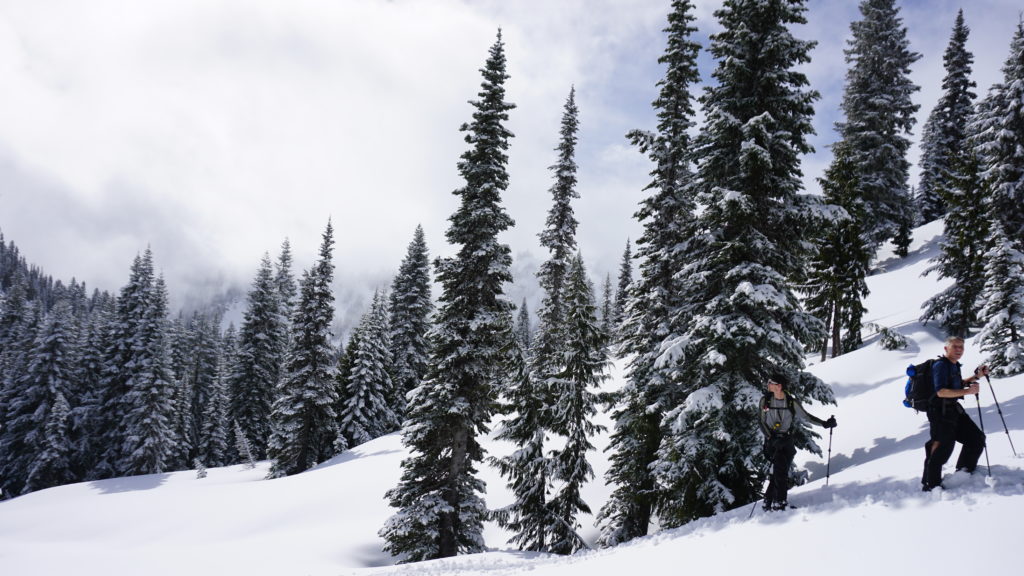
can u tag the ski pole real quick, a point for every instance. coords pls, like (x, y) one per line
(764, 470)
(1000, 410)
(982, 424)
(828, 464)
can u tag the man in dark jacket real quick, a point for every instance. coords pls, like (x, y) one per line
(778, 411)
(948, 421)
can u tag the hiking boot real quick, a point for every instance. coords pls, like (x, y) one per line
(766, 506)
(928, 487)
(779, 505)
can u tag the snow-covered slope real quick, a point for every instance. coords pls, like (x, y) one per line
(870, 518)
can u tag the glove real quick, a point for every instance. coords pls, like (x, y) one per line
(831, 422)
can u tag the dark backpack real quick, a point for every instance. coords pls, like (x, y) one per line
(920, 388)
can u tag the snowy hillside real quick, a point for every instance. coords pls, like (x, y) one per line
(870, 519)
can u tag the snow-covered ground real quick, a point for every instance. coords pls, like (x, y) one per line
(871, 518)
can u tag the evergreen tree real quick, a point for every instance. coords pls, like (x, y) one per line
(559, 237)
(440, 507)
(836, 285)
(304, 421)
(942, 139)
(86, 417)
(410, 307)
(527, 467)
(149, 439)
(1003, 335)
(1002, 150)
(654, 300)
(365, 411)
(757, 222)
(214, 449)
(625, 281)
(243, 448)
(608, 310)
(963, 250)
(199, 383)
(51, 462)
(122, 338)
(285, 282)
(575, 405)
(1000, 146)
(524, 336)
(42, 373)
(879, 116)
(260, 356)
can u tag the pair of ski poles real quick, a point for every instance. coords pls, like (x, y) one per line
(999, 409)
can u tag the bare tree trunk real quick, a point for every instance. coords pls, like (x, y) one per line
(837, 342)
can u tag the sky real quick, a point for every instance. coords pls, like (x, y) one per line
(860, 512)
(211, 130)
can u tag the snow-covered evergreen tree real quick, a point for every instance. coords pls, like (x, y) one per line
(944, 133)
(243, 447)
(654, 298)
(999, 131)
(260, 357)
(215, 449)
(964, 245)
(33, 460)
(527, 468)
(836, 286)
(199, 383)
(559, 238)
(123, 338)
(1002, 148)
(625, 281)
(304, 423)
(410, 309)
(879, 116)
(51, 458)
(365, 411)
(150, 438)
(608, 309)
(86, 417)
(574, 391)
(524, 335)
(756, 223)
(439, 497)
(1002, 337)
(285, 282)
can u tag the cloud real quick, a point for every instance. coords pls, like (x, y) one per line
(213, 129)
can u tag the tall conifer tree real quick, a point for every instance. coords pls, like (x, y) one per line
(756, 221)
(304, 423)
(879, 116)
(150, 437)
(364, 397)
(944, 133)
(439, 497)
(654, 304)
(410, 310)
(836, 286)
(571, 416)
(260, 358)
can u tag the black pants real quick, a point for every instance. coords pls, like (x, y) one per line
(949, 424)
(780, 451)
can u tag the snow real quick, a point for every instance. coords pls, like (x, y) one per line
(870, 517)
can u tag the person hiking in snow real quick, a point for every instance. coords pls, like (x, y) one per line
(948, 422)
(778, 411)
